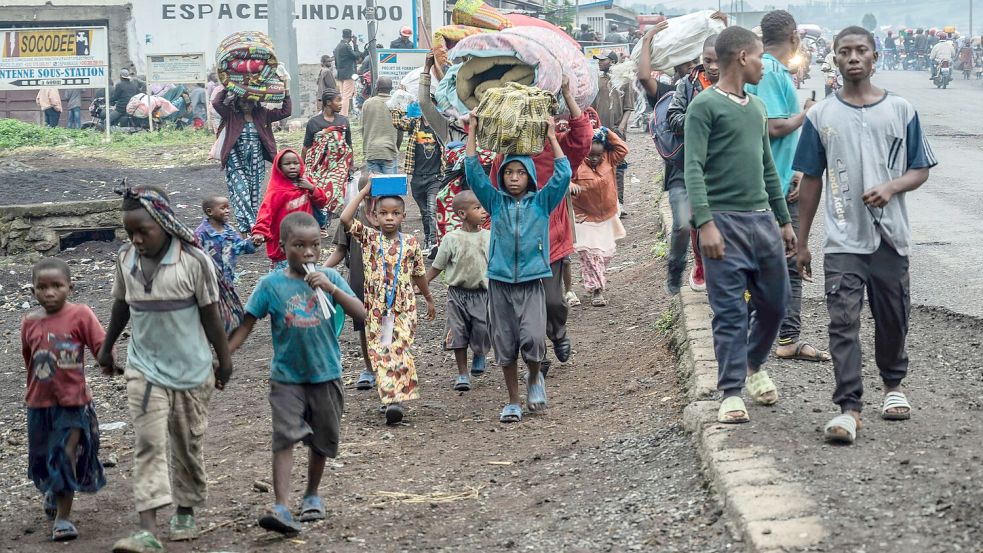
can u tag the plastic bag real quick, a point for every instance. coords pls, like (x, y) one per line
(400, 100)
(682, 41)
(216, 151)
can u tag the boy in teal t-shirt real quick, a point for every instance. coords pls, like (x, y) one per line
(306, 396)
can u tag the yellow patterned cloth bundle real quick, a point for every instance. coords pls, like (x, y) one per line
(513, 119)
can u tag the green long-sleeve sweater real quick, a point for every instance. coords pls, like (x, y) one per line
(728, 158)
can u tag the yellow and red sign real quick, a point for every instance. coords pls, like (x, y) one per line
(47, 43)
(67, 57)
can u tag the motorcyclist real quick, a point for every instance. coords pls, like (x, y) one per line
(125, 89)
(943, 51)
(921, 41)
(933, 38)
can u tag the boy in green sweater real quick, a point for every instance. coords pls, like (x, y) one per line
(736, 196)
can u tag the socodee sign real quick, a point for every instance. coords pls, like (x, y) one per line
(167, 26)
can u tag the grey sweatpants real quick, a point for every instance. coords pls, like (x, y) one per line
(517, 320)
(557, 309)
(884, 274)
(467, 320)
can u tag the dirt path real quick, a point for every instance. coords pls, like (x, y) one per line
(608, 468)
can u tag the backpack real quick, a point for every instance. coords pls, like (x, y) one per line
(668, 143)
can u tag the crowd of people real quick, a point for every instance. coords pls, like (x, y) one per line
(744, 193)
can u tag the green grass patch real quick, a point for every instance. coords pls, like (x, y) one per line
(667, 321)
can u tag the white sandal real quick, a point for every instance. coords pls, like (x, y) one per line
(895, 400)
(844, 422)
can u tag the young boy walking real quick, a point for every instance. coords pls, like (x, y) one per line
(221, 240)
(520, 235)
(870, 145)
(777, 90)
(166, 287)
(464, 254)
(736, 196)
(306, 394)
(62, 429)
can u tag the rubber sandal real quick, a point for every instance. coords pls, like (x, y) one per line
(182, 528)
(841, 429)
(511, 413)
(63, 530)
(366, 381)
(759, 385)
(278, 519)
(463, 383)
(561, 348)
(730, 405)
(312, 509)
(895, 400)
(536, 395)
(598, 301)
(478, 365)
(544, 367)
(394, 414)
(820, 356)
(138, 542)
(50, 504)
(572, 299)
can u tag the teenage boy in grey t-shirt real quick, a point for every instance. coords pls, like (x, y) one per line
(871, 147)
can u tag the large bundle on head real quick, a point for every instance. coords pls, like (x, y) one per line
(537, 56)
(513, 119)
(246, 65)
(682, 41)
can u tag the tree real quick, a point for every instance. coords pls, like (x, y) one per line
(559, 12)
(869, 22)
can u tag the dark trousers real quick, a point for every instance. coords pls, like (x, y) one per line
(556, 305)
(789, 333)
(52, 117)
(754, 260)
(619, 173)
(884, 274)
(425, 188)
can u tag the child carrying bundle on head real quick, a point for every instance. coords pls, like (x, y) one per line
(306, 395)
(520, 239)
(290, 190)
(62, 429)
(464, 254)
(595, 207)
(393, 263)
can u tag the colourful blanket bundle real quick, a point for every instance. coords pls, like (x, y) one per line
(476, 13)
(246, 65)
(513, 119)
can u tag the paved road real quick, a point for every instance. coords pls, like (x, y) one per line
(947, 212)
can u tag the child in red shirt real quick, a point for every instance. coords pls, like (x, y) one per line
(62, 430)
(290, 190)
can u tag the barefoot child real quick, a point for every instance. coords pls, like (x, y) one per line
(871, 146)
(520, 216)
(736, 196)
(306, 395)
(62, 430)
(290, 190)
(350, 251)
(219, 239)
(166, 286)
(595, 207)
(393, 264)
(464, 254)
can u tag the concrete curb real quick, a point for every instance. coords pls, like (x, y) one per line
(769, 510)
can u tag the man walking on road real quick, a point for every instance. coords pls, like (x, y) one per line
(378, 132)
(50, 103)
(777, 90)
(614, 108)
(870, 144)
(346, 56)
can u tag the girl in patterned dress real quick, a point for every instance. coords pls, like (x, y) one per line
(393, 264)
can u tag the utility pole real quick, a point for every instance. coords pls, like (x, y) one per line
(371, 46)
(284, 36)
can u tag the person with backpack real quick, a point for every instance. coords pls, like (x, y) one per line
(670, 116)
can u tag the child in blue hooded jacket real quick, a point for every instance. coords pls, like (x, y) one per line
(518, 257)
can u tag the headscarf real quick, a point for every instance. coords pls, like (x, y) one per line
(159, 208)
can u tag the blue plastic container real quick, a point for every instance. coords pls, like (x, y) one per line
(388, 185)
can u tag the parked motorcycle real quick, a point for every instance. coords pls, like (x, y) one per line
(944, 75)
(126, 123)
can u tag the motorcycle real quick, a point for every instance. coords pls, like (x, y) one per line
(890, 60)
(834, 81)
(125, 123)
(944, 75)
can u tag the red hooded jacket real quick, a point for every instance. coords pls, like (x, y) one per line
(575, 143)
(282, 198)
